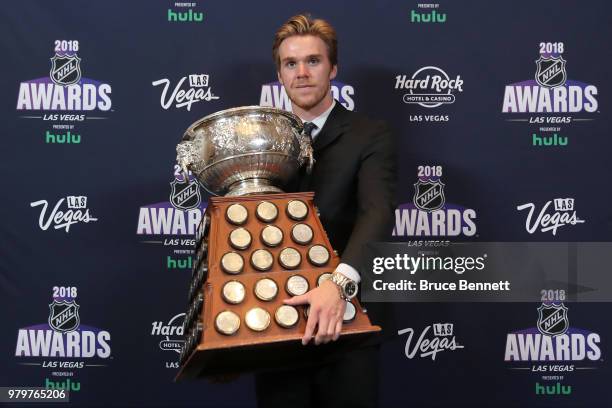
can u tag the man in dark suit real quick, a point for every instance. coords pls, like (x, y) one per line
(354, 179)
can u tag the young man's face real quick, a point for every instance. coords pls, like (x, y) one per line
(305, 71)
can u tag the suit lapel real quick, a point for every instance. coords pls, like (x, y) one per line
(335, 125)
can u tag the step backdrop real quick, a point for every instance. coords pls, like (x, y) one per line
(496, 105)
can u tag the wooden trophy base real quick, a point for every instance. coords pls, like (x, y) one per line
(209, 352)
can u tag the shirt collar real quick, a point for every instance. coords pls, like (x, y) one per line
(321, 119)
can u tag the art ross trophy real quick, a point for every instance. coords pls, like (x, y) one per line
(255, 246)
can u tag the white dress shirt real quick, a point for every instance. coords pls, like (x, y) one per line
(345, 269)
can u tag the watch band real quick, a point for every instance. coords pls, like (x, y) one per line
(340, 280)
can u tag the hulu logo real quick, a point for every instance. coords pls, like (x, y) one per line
(187, 16)
(431, 17)
(66, 138)
(554, 140)
(178, 263)
(62, 385)
(556, 389)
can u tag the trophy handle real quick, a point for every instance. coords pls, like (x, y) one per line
(186, 156)
(306, 152)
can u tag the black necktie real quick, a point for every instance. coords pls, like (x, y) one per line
(309, 127)
(304, 178)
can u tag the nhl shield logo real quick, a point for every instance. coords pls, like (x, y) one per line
(64, 316)
(550, 72)
(65, 69)
(185, 195)
(552, 319)
(428, 195)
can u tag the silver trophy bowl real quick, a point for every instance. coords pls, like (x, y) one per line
(245, 150)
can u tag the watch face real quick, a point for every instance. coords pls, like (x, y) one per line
(350, 289)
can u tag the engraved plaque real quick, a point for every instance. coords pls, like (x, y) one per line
(266, 211)
(302, 234)
(240, 238)
(232, 263)
(257, 319)
(266, 289)
(262, 260)
(237, 214)
(227, 322)
(297, 210)
(286, 316)
(318, 255)
(233, 292)
(271, 235)
(296, 285)
(290, 258)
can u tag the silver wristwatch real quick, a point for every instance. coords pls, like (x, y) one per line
(348, 287)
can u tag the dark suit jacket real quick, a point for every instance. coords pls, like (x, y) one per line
(354, 181)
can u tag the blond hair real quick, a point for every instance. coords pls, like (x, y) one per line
(303, 24)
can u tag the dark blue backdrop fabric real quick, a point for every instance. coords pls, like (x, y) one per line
(498, 104)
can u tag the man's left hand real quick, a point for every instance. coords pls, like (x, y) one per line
(326, 311)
